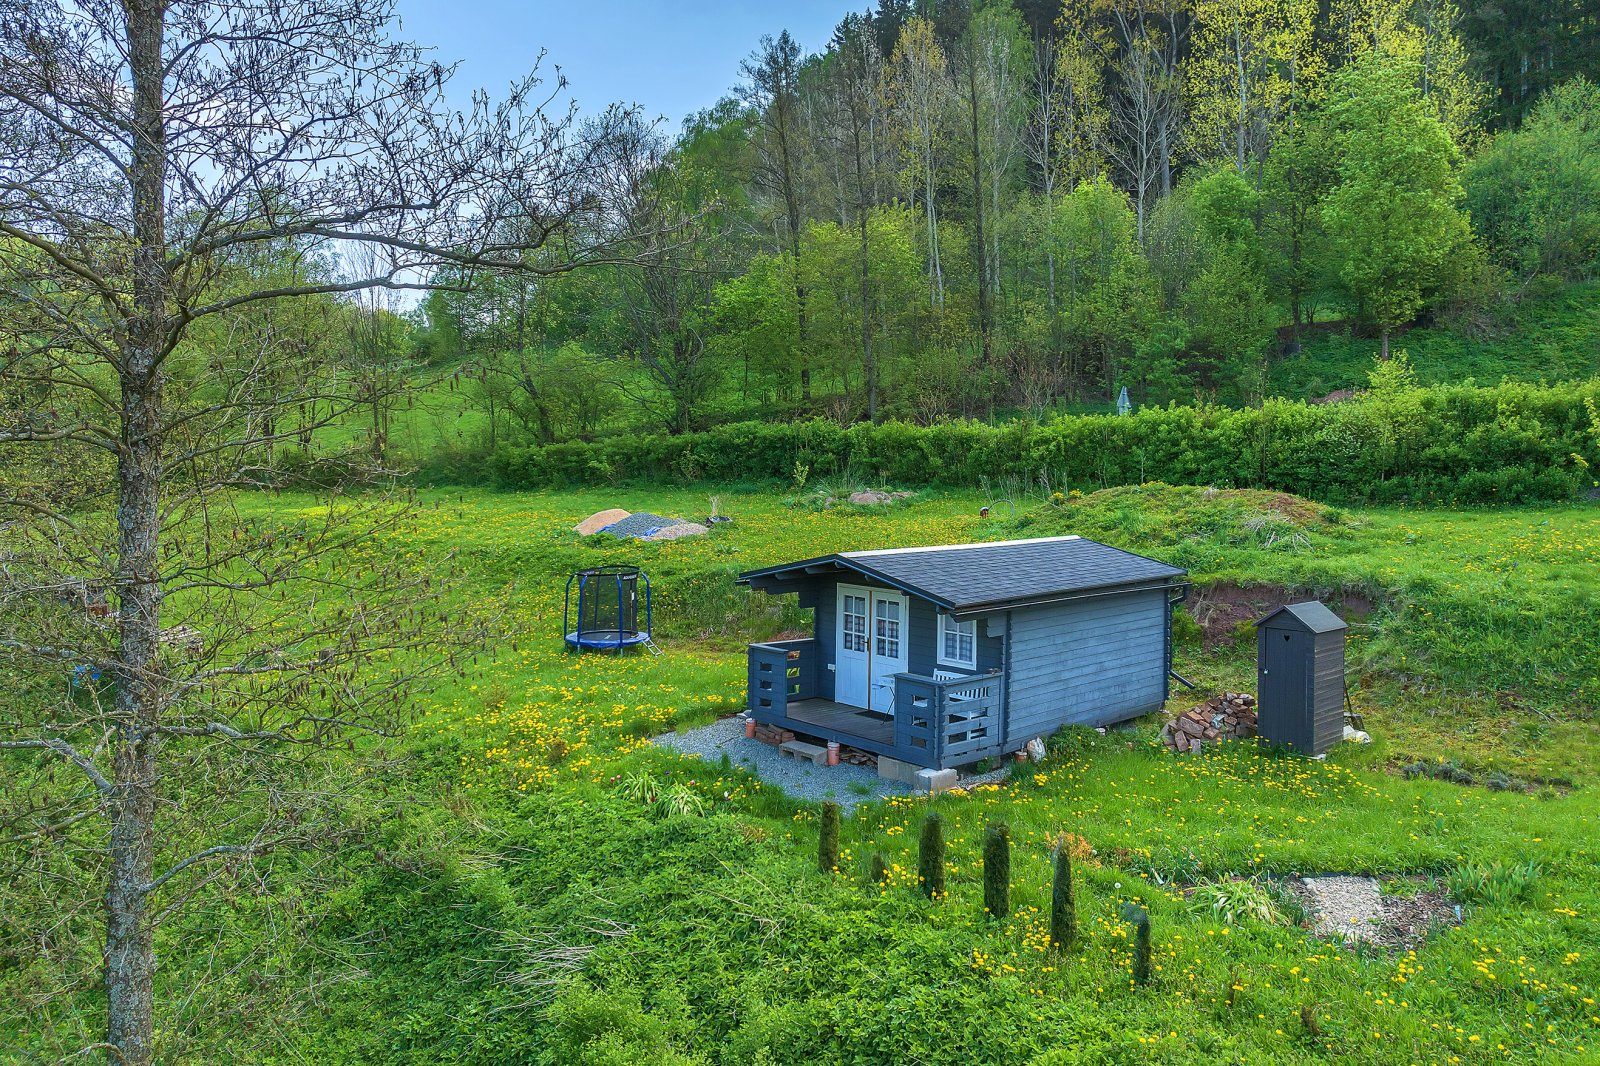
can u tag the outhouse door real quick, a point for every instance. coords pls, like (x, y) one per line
(871, 647)
(1284, 679)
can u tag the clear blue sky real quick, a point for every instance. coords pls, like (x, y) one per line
(671, 58)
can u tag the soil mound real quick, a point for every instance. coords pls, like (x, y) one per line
(1222, 608)
(600, 520)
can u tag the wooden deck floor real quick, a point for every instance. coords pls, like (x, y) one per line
(843, 718)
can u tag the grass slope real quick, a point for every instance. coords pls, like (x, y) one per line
(564, 922)
(1554, 337)
(524, 906)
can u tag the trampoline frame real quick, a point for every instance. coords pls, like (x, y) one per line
(605, 639)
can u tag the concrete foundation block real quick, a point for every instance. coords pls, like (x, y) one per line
(934, 782)
(897, 770)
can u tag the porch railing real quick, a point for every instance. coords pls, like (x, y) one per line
(952, 722)
(781, 672)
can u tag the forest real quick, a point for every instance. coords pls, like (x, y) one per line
(1022, 209)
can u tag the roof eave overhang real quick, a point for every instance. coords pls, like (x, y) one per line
(758, 579)
(1012, 603)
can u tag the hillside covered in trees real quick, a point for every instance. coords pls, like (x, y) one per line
(1002, 208)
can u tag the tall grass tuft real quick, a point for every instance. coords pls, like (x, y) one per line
(1492, 883)
(1234, 901)
(879, 868)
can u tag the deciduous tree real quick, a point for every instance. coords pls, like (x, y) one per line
(1393, 214)
(153, 149)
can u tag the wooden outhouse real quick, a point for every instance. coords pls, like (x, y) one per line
(1300, 677)
(941, 656)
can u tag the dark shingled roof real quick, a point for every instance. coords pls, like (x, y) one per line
(1311, 614)
(1010, 573)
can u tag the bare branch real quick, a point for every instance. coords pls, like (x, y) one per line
(66, 751)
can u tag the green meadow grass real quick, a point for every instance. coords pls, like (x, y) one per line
(542, 917)
(519, 907)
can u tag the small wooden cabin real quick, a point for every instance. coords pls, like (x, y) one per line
(944, 655)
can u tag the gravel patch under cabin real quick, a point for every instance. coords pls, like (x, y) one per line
(846, 785)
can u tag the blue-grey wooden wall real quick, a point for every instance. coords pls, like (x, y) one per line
(1091, 662)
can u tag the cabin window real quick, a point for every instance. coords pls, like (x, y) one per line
(958, 642)
(888, 627)
(855, 622)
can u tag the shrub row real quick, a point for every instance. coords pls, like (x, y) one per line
(1505, 444)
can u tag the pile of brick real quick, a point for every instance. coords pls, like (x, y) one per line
(1230, 716)
(774, 735)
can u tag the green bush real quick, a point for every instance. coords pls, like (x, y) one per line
(1463, 444)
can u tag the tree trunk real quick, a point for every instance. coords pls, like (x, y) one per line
(791, 207)
(980, 246)
(935, 273)
(1385, 344)
(869, 358)
(1244, 98)
(130, 952)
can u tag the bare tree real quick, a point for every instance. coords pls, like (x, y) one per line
(856, 72)
(1139, 126)
(914, 84)
(156, 151)
(998, 41)
(665, 290)
(772, 88)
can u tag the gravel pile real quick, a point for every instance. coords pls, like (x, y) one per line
(797, 778)
(639, 524)
(679, 529)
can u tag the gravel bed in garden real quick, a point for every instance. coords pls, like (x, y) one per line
(846, 785)
(1359, 910)
(1348, 907)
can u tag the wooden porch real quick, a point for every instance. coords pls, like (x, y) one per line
(937, 722)
(845, 720)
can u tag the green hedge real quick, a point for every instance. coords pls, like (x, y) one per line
(1506, 444)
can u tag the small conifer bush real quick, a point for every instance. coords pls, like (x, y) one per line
(828, 841)
(930, 856)
(1142, 967)
(1063, 907)
(997, 870)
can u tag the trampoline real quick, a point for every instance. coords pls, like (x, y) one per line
(607, 610)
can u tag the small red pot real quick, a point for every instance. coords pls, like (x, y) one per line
(749, 727)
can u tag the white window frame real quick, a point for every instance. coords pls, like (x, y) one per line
(945, 622)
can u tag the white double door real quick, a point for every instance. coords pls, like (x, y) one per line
(871, 647)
